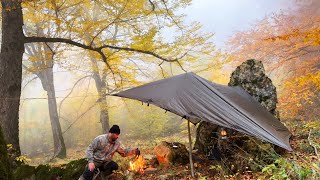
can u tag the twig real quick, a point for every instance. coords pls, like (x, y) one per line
(162, 69)
(36, 77)
(311, 144)
(67, 96)
(79, 118)
(306, 162)
(153, 7)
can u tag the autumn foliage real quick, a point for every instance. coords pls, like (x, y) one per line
(288, 43)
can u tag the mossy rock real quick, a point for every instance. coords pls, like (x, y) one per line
(24, 172)
(250, 75)
(45, 172)
(72, 170)
(4, 174)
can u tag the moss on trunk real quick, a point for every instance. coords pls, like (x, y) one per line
(5, 171)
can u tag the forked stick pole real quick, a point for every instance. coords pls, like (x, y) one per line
(190, 150)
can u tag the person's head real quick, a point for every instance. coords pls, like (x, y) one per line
(114, 132)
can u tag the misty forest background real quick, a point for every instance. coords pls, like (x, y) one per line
(69, 85)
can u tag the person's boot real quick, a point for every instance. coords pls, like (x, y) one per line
(103, 176)
(81, 178)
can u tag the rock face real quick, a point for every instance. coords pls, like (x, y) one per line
(171, 153)
(250, 75)
(204, 136)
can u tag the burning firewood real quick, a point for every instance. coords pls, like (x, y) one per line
(138, 165)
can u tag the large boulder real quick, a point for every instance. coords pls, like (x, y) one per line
(251, 76)
(171, 153)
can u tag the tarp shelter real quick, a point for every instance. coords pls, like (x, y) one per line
(195, 98)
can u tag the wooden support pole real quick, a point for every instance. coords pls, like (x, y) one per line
(190, 150)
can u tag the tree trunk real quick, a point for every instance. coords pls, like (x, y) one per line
(204, 136)
(101, 86)
(11, 70)
(5, 171)
(103, 104)
(47, 81)
(104, 116)
(48, 85)
(44, 64)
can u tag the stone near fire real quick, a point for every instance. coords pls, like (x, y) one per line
(174, 153)
(129, 175)
(153, 162)
(148, 156)
(150, 170)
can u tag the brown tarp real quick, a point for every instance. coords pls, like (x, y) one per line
(194, 98)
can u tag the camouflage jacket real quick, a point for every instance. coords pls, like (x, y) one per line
(102, 150)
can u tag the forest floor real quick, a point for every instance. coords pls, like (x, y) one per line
(305, 162)
(203, 169)
(302, 163)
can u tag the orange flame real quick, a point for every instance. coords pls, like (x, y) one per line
(137, 165)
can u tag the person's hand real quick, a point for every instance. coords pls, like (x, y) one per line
(137, 152)
(91, 166)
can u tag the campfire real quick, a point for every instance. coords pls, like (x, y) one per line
(138, 165)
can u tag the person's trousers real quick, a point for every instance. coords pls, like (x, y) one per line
(105, 167)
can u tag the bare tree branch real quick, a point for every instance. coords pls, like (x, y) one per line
(139, 69)
(78, 118)
(52, 51)
(98, 49)
(113, 22)
(162, 72)
(153, 7)
(181, 66)
(82, 114)
(311, 144)
(168, 12)
(70, 92)
(28, 82)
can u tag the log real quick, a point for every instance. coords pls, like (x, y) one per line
(171, 153)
